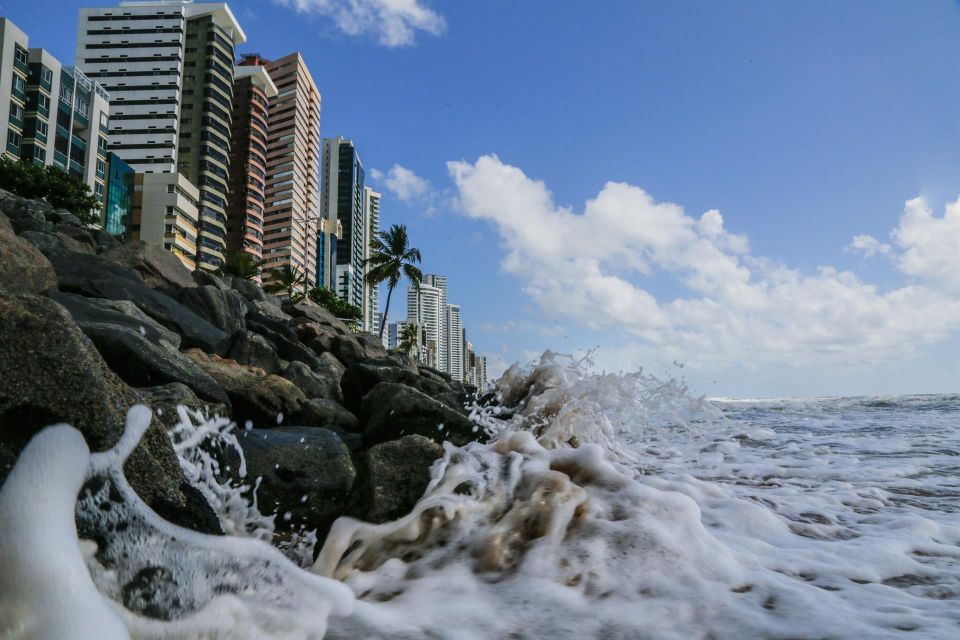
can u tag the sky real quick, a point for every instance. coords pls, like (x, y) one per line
(762, 198)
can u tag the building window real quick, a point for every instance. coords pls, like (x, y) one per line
(19, 84)
(13, 139)
(66, 94)
(101, 143)
(42, 127)
(104, 120)
(20, 54)
(43, 102)
(40, 154)
(46, 75)
(16, 111)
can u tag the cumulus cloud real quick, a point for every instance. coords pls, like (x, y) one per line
(868, 246)
(394, 22)
(737, 308)
(402, 182)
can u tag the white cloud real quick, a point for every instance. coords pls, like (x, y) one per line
(739, 309)
(402, 182)
(868, 246)
(395, 22)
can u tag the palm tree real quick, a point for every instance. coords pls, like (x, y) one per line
(242, 265)
(392, 258)
(408, 339)
(284, 279)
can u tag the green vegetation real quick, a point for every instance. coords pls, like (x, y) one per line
(335, 305)
(241, 264)
(285, 279)
(391, 258)
(57, 187)
(407, 340)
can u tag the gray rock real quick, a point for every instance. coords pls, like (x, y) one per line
(224, 309)
(95, 277)
(206, 278)
(314, 384)
(307, 473)
(63, 216)
(31, 223)
(87, 311)
(249, 290)
(392, 477)
(22, 267)
(254, 350)
(72, 236)
(105, 241)
(361, 377)
(392, 410)
(284, 340)
(165, 399)
(52, 373)
(158, 267)
(323, 412)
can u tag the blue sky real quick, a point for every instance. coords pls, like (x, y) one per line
(804, 124)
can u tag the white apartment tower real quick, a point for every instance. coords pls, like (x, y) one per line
(454, 335)
(440, 283)
(424, 308)
(371, 215)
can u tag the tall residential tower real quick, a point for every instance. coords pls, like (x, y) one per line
(371, 208)
(342, 199)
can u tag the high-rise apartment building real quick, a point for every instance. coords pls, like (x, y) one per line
(54, 115)
(440, 282)
(371, 208)
(342, 199)
(252, 89)
(166, 212)
(454, 342)
(426, 309)
(169, 68)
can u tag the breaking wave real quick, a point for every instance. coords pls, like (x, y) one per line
(604, 506)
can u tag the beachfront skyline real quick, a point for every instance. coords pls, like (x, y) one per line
(809, 129)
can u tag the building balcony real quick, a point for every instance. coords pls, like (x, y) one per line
(76, 168)
(60, 160)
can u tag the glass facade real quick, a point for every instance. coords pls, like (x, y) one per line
(118, 205)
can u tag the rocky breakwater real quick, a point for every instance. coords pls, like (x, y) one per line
(89, 327)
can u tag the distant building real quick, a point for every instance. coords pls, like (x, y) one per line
(165, 211)
(480, 371)
(52, 115)
(371, 212)
(252, 89)
(394, 331)
(424, 308)
(440, 282)
(342, 198)
(454, 344)
(378, 322)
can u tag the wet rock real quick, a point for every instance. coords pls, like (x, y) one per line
(164, 400)
(52, 373)
(287, 348)
(361, 377)
(123, 313)
(22, 267)
(433, 374)
(158, 267)
(224, 309)
(314, 384)
(254, 395)
(94, 277)
(390, 411)
(320, 411)
(307, 475)
(254, 350)
(392, 477)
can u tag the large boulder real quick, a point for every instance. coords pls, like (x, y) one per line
(94, 277)
(357, 347)
(306, 472)
(206, 278)
(249, 290)
(320, 411)
(390, 411)
(282, 338)
(391, 478)
(224, 309)
(265, 400)
(159, 268)
(254, 350)
(88, 311)
(360, 378)
(22, 267)
(77, 237)
(52, 373)
(314, 384)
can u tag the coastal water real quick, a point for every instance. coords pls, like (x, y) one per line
(604, 506)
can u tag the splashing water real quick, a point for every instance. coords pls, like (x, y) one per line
(604, 506)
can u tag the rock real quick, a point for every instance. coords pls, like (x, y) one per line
(254, 395)
(206, 278)
(314, 384)
(323, 412)
(392, 410)
(165, 399)
(356, 348)
(72, 236)
(105, 241)
(392, 477)
(159, 268)
(268, 307)
(252, 349)
(249, 290)
(22, 267)
(433, 374)
(95, 277)
(361, 377)
(224, 309)
(315, 313)
(307, 473)
(51, 373)
(86, 311)
(284, 340)
(31, 223)
(62, 216)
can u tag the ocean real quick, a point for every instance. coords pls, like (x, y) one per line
(604, 506)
